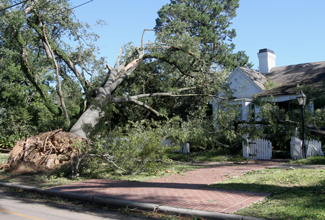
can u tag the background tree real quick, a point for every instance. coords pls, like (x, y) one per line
(41, 74)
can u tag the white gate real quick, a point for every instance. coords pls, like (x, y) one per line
(314, 148)
(258, 149)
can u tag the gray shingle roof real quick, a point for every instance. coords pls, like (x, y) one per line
(258, 78)
(290, 76)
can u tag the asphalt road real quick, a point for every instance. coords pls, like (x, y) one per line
(18, 208)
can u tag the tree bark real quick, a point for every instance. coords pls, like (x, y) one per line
(90, 117)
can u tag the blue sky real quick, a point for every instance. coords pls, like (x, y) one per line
(293, 29)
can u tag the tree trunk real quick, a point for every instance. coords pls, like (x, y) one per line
(90, 116)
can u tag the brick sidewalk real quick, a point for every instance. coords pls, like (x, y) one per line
(186, 190)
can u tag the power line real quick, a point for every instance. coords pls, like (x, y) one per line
(81, 4)
(13, 5)
(70, 9)
(28, 0)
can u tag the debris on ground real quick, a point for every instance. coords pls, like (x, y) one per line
(43, 152)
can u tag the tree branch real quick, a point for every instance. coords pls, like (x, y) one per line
(63, 56)
(111, 83)
(104, 157)
(144, 31)
(51, 56)
(169, 61)
(30, 76)
(132, 100)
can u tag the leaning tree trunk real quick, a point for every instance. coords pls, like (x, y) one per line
(116, 76)
(89, 117)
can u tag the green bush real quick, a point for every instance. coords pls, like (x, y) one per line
(130, 150)
(9, 141)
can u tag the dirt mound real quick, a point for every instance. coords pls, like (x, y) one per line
(43, 152)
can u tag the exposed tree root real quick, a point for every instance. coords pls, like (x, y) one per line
(43, 152)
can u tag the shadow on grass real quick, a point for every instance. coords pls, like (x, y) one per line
(274, 189)
(296, 202)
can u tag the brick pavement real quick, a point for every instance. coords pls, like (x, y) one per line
(186, 190)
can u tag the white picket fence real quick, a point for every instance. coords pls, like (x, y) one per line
(258, 149)
(314, 148)
(183, 147)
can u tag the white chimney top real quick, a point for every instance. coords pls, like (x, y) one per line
(266, 60)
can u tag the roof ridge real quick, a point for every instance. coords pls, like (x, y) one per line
(258, 78)
(309, 63)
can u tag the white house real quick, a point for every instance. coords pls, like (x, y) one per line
(245, 83)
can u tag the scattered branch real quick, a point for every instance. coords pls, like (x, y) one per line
(132, 100)
(51, 56)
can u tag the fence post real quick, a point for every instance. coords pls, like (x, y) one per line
(245, 147)
(270, 149)
(295, 148)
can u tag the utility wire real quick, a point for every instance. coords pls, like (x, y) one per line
(14, 5)
(3, 9)
(81, 4)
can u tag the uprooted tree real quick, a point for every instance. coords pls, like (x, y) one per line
(175, 75)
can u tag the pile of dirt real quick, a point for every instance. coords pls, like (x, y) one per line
(43, 152)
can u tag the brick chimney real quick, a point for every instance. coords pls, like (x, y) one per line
(266, 60)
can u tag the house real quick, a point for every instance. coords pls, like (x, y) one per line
(245, 83)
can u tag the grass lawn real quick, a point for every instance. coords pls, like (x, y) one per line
(215, 155)
(310, 160)
(296, 193)
(3, 158)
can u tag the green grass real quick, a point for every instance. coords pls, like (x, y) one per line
(165, 169)
(310, 160)
(4, 158)
(295, 194)
(210, 156)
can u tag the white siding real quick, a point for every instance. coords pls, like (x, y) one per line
(241, 85)
(243, 88)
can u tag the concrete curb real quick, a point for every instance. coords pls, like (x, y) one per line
(131, 204)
